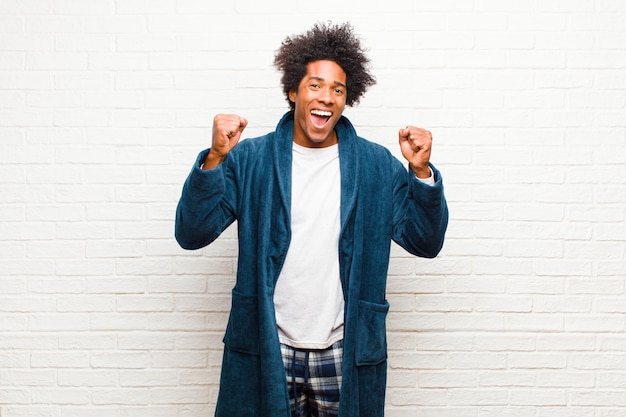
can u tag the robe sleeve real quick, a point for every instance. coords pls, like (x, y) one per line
(205, 208)
(420, 214)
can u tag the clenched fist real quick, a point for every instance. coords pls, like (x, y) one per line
(227, 130)
(415, 144)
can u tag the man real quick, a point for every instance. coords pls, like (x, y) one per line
(317, 208)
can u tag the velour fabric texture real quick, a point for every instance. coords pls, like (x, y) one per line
(381, 201)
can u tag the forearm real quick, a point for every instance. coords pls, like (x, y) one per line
(212, 160)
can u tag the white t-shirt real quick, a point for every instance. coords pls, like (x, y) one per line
(308, 297)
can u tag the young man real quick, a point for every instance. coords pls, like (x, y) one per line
(317, 208)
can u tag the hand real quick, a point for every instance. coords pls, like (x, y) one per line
(415, 144)
(227, 130)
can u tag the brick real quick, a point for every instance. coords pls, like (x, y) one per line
(539, 398)
(59, 360)
(118, 62)
(143, 80)
(126, 396)
(447, 379)
(563, 379)
(119, 360)
(12, 250)
(548, 267)
(117, 249)
(26, 267)
(85, 304)
(77, 341)
(87, 378)
(598, 398)
(46, 99)
(15, 396)
(147, 43)
(74, 193)
(148, 378)
(112, 285)
(508, 411)
(415, 322)
(446, 303)
(114, 212)
(214, 303)
(55, 286)
(82, 118)
(84, 43)
(595, 324)
(55, 250)
(535, 360)
(26, 80)
(197, 340)
(26, 42)
(57, 136)
(10, 99)
(192, 395)
(116, 100)
(115, 24)
(13, 322)
(534, 322)
(147, 341)
(561, 304)
(83, 267)
(146, 6)
(11, 24)
(31, 411)
(152, 411)
(193, 359)
(143, 119)
(58, 322)
(417, 360)
(591, 286)
(438, 341)
(506, 378)
(129, 303)
(26, 304)
(565, 342)
(117, 321)
(14, 360)
(171, 322)
(478, 397)
(119, 175)
(199, 377)
(87, 7)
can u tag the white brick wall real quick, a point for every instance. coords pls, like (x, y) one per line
(105, 103)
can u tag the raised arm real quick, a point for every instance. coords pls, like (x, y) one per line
(205, 208)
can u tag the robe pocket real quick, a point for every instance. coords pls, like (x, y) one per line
(242, 331)
(371, 344)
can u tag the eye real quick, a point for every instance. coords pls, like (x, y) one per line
(338, 91)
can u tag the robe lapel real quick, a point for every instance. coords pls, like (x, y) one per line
(348, 163)
(283, 148)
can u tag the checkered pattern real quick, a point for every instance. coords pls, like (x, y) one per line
(314, 380)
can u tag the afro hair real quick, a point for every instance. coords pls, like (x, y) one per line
(325, 42)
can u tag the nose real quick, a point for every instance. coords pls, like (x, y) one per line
(326, 96)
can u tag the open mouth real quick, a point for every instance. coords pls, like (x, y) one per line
(320, 117)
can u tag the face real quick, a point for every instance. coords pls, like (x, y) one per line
(319, 103)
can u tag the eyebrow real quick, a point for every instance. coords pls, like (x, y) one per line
(339, 83)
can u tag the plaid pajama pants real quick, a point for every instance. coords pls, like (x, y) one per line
(314, 380)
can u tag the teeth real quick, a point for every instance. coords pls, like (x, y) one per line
(321, 113)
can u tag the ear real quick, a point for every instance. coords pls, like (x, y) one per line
(292, 96)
